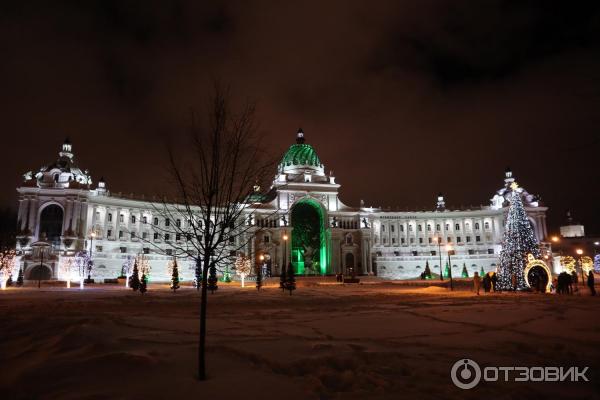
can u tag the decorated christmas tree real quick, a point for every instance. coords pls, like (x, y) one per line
(481, 272)
(134, 280)
(465, 273)
(519, 241)
(175, 276)
(447, 270)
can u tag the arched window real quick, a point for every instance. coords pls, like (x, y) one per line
(51, 222)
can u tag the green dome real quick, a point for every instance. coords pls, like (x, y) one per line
(300, 154)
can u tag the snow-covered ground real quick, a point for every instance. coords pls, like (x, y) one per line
(325, 341)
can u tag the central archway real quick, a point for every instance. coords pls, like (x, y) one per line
(51, 223)
(310, 254)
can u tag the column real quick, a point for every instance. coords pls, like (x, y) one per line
(32, 215)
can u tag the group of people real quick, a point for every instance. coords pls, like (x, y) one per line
(566, 283)
(489, 281)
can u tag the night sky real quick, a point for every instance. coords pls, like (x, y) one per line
(401, 99)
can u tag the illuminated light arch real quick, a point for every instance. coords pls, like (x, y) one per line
(299, 235)
(533, 262)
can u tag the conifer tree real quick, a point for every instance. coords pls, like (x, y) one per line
(465, 273)
(290, 282)
(134, 279)
(258, 277)
(519, 241)
(20, 277)
(482, 272)
(143, 284)
(427, 273)
(175, 276)
(9, 282)
(282, 278)
(198, 274)
(212, 279)
(447, 270)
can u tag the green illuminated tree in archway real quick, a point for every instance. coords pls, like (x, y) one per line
(308, 238)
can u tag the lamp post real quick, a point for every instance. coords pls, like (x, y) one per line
(438, 240)
(580, 253)
(450, 253)
(262, 262)
(285, 238)
(92, 236)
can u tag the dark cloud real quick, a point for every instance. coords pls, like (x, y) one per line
(401, 99)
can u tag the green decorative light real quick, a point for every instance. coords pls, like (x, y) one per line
(309, 234)
(300, 154)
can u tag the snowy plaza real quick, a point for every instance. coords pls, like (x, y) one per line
(327, 340)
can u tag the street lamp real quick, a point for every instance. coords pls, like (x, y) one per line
(92, 236)
(285, 238)
(438, 240)
(450, 251)
(580, 253)
(262, 262)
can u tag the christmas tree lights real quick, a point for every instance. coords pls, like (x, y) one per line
(519, 241)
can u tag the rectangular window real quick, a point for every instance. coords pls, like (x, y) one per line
(121, 218)
(449, 240)
(458, 239)
(486, 225)
(169, 252)
(433, 252)
(167, 222)
(231, 239)
(471, 251)
(477, 226)
(123, 249)
(438, 227)
(155, 221)
(133, 219)
(99, 248)
(145, 235)
(146, 250)
(415, 253)
(401, 228)
(392, 228)
(447, 227)
(402, 241)
(120, 234)
(420, 228)
(144, 219)
(266, 239)
(178, 223)
(468, 239)
(457, 227)
(109, 233)
(490, 251)
(133, 235)
(412, 240)
(478, 238)
(382, 228)
(155, 235)
(109, 217)
(384, 240)
(420, 240)
(428, 227)
(178, 236)
(393, 240)
(429, 240)
(167, 237)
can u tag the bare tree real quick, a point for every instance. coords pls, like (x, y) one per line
(216, 193)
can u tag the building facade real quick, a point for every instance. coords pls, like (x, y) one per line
(62, 212)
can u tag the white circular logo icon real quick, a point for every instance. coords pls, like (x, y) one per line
(465, 373)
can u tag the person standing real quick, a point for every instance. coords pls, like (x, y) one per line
(590, 282)
(476, 282)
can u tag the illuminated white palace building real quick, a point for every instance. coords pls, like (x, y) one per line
(60, 208)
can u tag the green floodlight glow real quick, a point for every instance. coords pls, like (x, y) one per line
(309, 233)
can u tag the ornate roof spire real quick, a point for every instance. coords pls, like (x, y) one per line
(300, 136)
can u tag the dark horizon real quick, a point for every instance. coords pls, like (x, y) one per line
(401, 101)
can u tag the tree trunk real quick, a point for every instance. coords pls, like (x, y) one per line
(202, 337)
